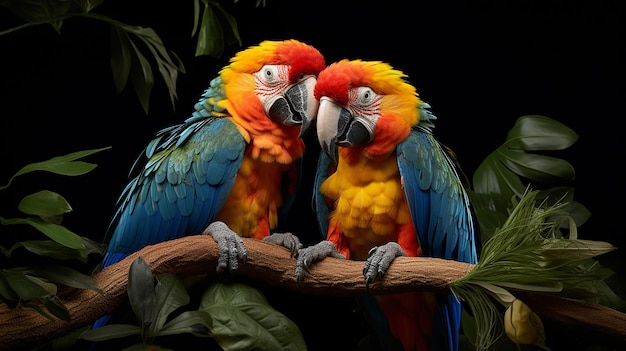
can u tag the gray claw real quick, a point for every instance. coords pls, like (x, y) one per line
(378, 261)
(308, 255)
(230, 247)
(288, 240)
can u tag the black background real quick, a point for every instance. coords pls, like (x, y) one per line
(480, 64)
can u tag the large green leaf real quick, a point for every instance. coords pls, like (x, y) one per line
(198, 323)
(6, 292)
(508, 171)
(27, 287)
(243, 320)
(111, 331)
(88, 5)
(50, 248)
(44, 203)
(127, 58)
(170, 295)
(141, 291)
(142, 78)
(500, 171)
(231, 37)
(63, 165)
(536, 133)
(40, 11)
(120, 57)
(56, 307)
(56, 232)
(211, 35)
(64, 275)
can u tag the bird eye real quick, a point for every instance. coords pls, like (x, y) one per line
(365, 95)
(269, 74)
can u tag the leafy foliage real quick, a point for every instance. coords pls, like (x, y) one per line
(511, 168)
(528, 253)
(236, 315)
(529, 237)
(217, 28)
(152, 305)
(243, 320)
(29, 286)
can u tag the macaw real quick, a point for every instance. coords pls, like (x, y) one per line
(385, 187)
(232, 168)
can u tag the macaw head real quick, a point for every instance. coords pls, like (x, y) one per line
(274, 79)
(365, 104)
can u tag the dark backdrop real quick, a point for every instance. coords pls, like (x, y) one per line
(480, 64)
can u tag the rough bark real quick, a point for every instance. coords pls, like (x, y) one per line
(272, 264)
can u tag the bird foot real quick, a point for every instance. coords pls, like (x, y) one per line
(287, 240)
(230, 247)
(379, 259)
(313, 253)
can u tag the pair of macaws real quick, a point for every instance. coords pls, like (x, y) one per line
(384, 186)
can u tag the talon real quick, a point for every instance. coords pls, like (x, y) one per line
(372, 251)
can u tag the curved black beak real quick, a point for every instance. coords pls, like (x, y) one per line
(297, 107)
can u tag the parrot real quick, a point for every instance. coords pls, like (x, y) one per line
(386, 187)
(232, 168)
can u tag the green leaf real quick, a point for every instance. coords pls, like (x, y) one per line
(141, 292)
(6, 291)
(502, 295)
(56, 307)
(535, 133)
(56, 232)
(64, 275)
(232, 22)
(170, 295)
(41, 11)
(44, 203)
(37, 307)
(120, 57)
(500, 171)
(88, 5)
(242, 319)
(538, 168)
(211, 35)
(166, 65)
(64, 165)
(111, 331)
(197, 323)
(142, 78)
(28, 287)
(55, 250)
(196, 16)
(493, 177)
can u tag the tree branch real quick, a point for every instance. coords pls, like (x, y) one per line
(195, 255)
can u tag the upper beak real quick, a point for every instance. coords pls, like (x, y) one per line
(336, 126)
(328, 119)
(297, 107)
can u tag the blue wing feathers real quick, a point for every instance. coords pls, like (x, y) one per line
(436, 196)
(440, 210)
(185, 181)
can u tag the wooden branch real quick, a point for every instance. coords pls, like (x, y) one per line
(195, 255)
